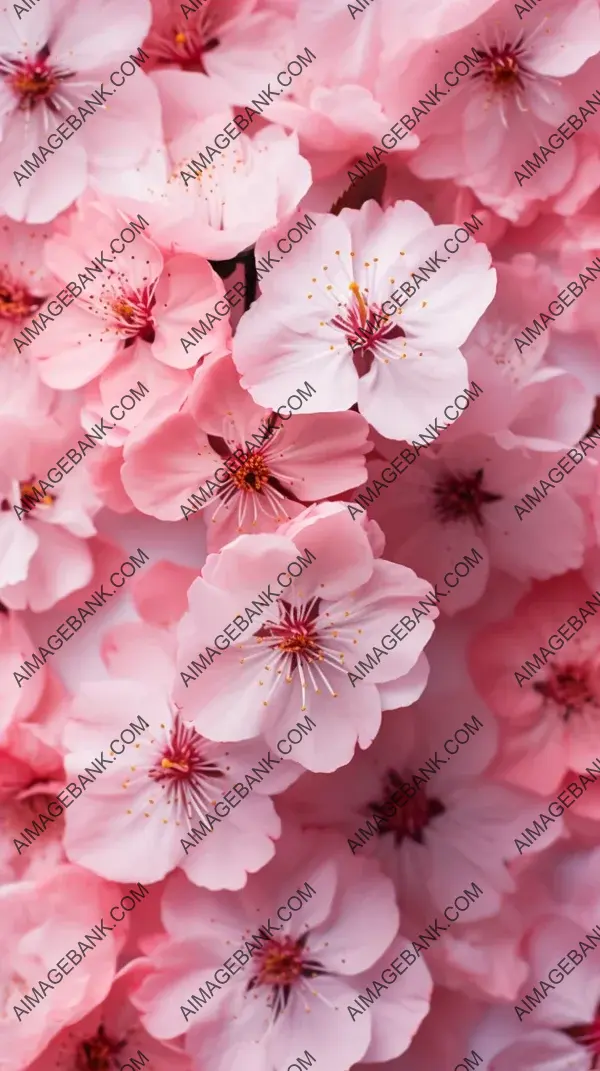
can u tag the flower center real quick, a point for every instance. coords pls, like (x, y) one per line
(413, 818)
(252, 475)
(283, 962)
(299, 643)
(33, 81)
(588, 1036)
(185, 771)
(16, 303)
(460, 497)
(503, 68)
(295, 635)
(185, 43)
(27, 489)
(256, 483)
(366, 327)
(98, 1053)
(132, 316)
(31, 494)
(568, 685)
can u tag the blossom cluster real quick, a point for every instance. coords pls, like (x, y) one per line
(298, 417)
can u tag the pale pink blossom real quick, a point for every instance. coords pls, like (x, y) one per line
(36, 543)
(143, 301)
(530, 77)
(552, 713)
(50, 64)
(134, 823)
(341, 939)
(561, 1034)
(462, 499)
(204, 209)
(527, 398)
(303, 459)
(40, 921)
(315, 305)
(298, 655)
(111, 1034)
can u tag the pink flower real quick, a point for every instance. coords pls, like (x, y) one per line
(109, 1035)
(551, 712)
(15, 646)
(440, 825)
(144, 302)
(134, 823)
(441, 1037)
(461, 499)
(562, 1033)
(526, 400)
(342, 937)
(34, 548)
(41, 921)
(25, 282)
(50, 65)
(204, 209)
(317, 303)
(301, 653)
(303, 459)
(530, 76)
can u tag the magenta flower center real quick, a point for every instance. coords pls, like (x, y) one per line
(588, 1036)
(98, 1053)
(568, 685)
(460, 497)
(131, 314)
(281, 962)
(410, 820)
(366, 327)
(34, 81)
(16, 302)
(503, 68)
(185, 771)
(299, 645)
(255, 485)
(186, 42)
(295, 633)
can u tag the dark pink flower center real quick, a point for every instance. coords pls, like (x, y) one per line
(503, 68)
(283, 963)
(280, 962)
(16, 302)
(568, 684)
(461, 497)
(410, 820)
(185, 43)
(365, 326)
(28, 491)
(185, 770)
(34, 81)
(295, 640)
(588, 1036)
(98, 1053)
(131, 313)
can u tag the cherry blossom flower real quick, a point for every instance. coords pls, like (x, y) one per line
(303, 458)
(319, 960)
(318, 305)
(302, 649)
(49, 65)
